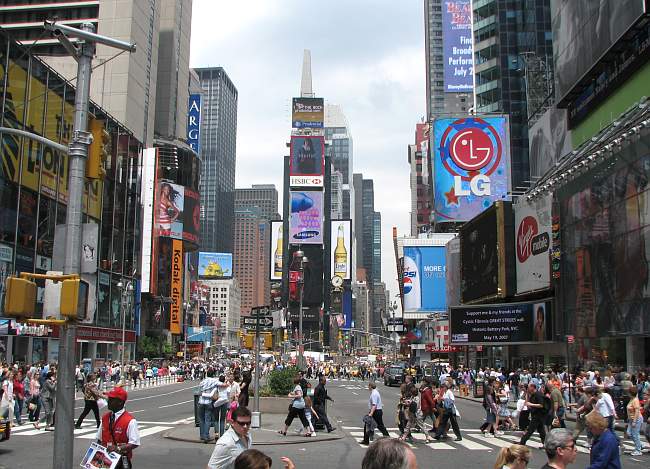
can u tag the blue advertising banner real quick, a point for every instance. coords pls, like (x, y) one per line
(347, 309)
(194, 122)
(425, 274)
(199, 334)
(457, 46)
(215, 265)
(471, 166)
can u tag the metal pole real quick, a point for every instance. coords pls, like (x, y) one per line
(123, 328)
(256, 385)
(64, 434)
(302, 289)
(185, 341)
(568, 367)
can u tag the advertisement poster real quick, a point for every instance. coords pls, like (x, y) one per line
(471, 167)
(532, 243)
(215, 265)
(512, 323)
(341, 249)
(306, 222)
(98, 457)
(457, 46)
(425, 279)
(176, 306)
(549, 140)
(479, 258)
(191, 216)
(170, 210)
(307, 163)
(194, 122)
(307, 113)
(276, 256)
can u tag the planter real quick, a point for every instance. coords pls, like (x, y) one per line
(273, 405)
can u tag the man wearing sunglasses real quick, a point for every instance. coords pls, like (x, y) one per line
(560, 449)
(233, 442)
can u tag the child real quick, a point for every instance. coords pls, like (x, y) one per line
(309, 411)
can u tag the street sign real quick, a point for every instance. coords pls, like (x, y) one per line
(264, 322)
(570, 339)
(260, 311)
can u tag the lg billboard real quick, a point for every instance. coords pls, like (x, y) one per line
(471, 167)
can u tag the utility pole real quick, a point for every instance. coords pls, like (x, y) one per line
(78, 153)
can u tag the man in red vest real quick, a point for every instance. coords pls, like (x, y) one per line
(119, 430)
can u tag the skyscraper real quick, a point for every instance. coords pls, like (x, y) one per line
(510, 39)
(218, 153)
(419, 182)
(254, 208)
(439, 99)
(339, 139)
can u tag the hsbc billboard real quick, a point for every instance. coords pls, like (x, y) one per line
(471, 166)
(532, 242)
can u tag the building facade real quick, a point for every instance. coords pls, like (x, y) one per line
(224, 309)
(512, 39)
(33, 204)
(338, 137)
(250, 266)
(218, 154)
(420, 180)
(439, 101)
(262, 196)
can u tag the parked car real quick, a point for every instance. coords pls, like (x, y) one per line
(393, 375)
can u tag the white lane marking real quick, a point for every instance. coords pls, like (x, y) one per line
(143, 433)
(439, 445)
(493, 441)
(357, 434)
(472, 445)
(160, 395)
(355, 393)
(178, 403)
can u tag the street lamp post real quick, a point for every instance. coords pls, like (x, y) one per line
(303, 260)
(186, 306)
(125, 291)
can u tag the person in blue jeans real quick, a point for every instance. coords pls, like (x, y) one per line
(208, 389)
(221, 405)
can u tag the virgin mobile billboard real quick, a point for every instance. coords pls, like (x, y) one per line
(471, 166)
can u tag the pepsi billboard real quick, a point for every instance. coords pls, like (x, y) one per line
(425, 278)
(471, 166)
(457, 46)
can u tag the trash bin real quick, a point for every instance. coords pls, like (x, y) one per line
(197, 394)
(479, 388)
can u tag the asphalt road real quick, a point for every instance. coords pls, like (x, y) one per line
(159, 410)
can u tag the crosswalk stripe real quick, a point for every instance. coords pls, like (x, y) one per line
(472, 445)
(492, 441)
(440, 445)
(143, 433)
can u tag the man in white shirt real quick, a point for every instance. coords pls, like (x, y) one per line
(605, 407)
(233, 442)
(376, 411)
(118, 430)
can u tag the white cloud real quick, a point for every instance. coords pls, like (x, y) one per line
(367, 56)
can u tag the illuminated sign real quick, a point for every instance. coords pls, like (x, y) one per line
(194, 122)
(176, 287)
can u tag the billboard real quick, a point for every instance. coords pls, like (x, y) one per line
(307, 113)
(512, 323)
(276, 254)
(549, 139)
(307, 162)
(215, 265)
(425, 279)
(486, 246)
(177, 212)
(583, 31)
(532, 242)
(194, 122)
(471, 167)
(453, 272)
(341, 249)
(457, 46)
(176, 307)
(306, 221)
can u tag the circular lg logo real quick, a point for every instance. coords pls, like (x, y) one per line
(471, 149)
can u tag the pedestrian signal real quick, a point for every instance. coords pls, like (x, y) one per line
(20, 297)
(74, 299)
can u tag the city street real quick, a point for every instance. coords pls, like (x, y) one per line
(159, 410)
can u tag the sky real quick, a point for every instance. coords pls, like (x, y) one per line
(367, 56)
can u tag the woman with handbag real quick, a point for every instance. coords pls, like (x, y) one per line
(296, 409)
(91, 398)
(34, 403)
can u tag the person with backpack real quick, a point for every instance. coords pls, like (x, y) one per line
(536, 403)
(450, 413)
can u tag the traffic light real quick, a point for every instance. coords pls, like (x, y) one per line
(98, 151)
(20, 297)
(74, 299)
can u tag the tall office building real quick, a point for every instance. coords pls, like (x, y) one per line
(339, 140)
(262, 196)
(440, 100)
(511, 40)
(254, 208)
(218, 154)
(420, 184)
(336, 195)
(224, 308)
(125, 84)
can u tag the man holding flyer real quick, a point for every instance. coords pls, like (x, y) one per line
(118, 431)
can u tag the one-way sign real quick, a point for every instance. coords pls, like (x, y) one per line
(260, 311)
(264, 322)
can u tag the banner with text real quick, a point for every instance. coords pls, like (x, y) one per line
(514, 323)
(457, 46)
(176, 287)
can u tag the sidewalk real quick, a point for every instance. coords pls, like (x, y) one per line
(568, 416)
(265, 436)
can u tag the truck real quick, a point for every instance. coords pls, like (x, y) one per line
(5, 429)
